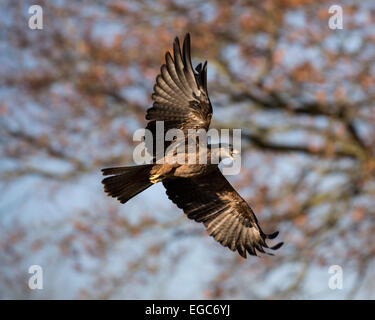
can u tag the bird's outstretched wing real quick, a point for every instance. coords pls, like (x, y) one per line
(180, 94)
(227, 217)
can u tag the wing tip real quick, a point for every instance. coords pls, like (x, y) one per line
(168, 57)
(198, 68)
(272, 235)
(176, 42)
(242, 253)
(187, 37)
(277, 246)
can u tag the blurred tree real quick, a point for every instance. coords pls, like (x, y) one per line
(73, 93)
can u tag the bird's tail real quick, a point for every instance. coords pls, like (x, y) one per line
(126, 182)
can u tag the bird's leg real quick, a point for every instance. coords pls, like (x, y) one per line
(155, 178)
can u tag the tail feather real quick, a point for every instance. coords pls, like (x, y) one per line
(119, 170)
(126, 182)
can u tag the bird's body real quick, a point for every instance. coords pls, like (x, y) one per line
(181, 101)
(187, 164)
(169, 171)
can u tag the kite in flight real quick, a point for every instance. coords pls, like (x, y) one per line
(181, 101)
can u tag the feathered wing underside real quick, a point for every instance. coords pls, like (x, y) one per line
(180, 94)
(227, 217)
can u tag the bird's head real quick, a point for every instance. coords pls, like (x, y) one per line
(224, 151)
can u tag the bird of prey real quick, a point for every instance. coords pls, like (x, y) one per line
(181, 101)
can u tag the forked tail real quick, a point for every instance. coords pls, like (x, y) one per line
(126, 182)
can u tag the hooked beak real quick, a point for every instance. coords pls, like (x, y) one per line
(233, 154)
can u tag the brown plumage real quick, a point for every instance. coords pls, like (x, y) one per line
(200, 190)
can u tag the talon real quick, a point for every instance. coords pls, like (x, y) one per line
(154, 178)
